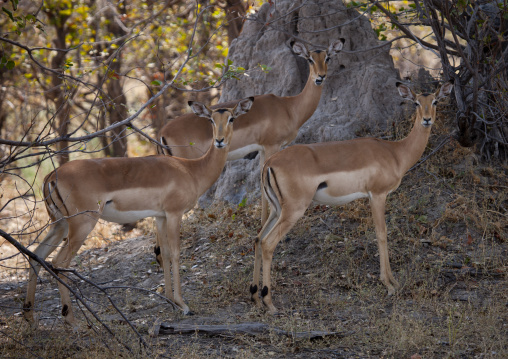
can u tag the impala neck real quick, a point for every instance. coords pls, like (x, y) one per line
(209, 167)
(305, 103)
(411, 148)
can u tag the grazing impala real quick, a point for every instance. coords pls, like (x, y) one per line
(124, 190)
(336, 173)
(272, 122)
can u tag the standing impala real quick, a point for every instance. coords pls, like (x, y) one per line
(272, 122)
(123, 190)
(336, 173)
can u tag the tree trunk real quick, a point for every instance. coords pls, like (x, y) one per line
(117, 109)
(58, 93)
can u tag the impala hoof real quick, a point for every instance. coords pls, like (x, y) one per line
(254, 297)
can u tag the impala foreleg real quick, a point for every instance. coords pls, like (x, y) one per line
(162, 232)
(170, 251)
(79, 228)
(378, 213)
(157, 248)
(55, 236)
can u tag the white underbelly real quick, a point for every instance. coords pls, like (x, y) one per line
(112, 215)
(243, 151)
(323, 198)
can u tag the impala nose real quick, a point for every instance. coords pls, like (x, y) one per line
(427, 122)
(320, 79)
(220, 143)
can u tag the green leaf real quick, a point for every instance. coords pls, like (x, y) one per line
(243, 202)
(15, 4)
(191, 143)
(8, 13)
(156, 82)
(230, 62)
(10, 65)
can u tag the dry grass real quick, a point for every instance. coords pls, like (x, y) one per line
(448, 234)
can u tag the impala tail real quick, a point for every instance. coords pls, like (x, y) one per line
(271, 190)
(53, 199)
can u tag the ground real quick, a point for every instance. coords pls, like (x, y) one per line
(447, 236)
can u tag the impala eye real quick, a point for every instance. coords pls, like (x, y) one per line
(327, 59)
(231, 119)
(434, 103)
(417, 104)
(310, 60)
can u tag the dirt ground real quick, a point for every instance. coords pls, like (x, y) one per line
(448, 242)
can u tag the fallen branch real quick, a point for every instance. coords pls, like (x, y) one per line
(253, 329)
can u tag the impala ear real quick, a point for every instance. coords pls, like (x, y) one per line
(444, 90)
(199, 109)
(243, 106)
(405, 91)
(301, 50)
(336, 46)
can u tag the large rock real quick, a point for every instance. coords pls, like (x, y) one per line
(359, 92)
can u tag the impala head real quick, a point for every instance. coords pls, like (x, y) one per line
(318, 59)
(222, 119)
(425, 103)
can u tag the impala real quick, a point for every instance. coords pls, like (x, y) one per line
(123, 190)
(272, 122)
(336, 173)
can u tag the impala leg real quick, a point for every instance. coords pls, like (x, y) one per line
(79, 228)
(378, 213)
(170, 250)
(258, 256)
(264, 154)
(264, 201)
(162, 232)
(268, 244)
(157, 247)
(56, 234)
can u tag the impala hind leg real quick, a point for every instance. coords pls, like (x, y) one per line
(55, 236)
(170, 251)
(285, 222)
(377, 203)
(258, 256)
(79, 228)
(264, 154)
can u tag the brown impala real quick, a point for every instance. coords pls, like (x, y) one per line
(123, 190)
(336, 173)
